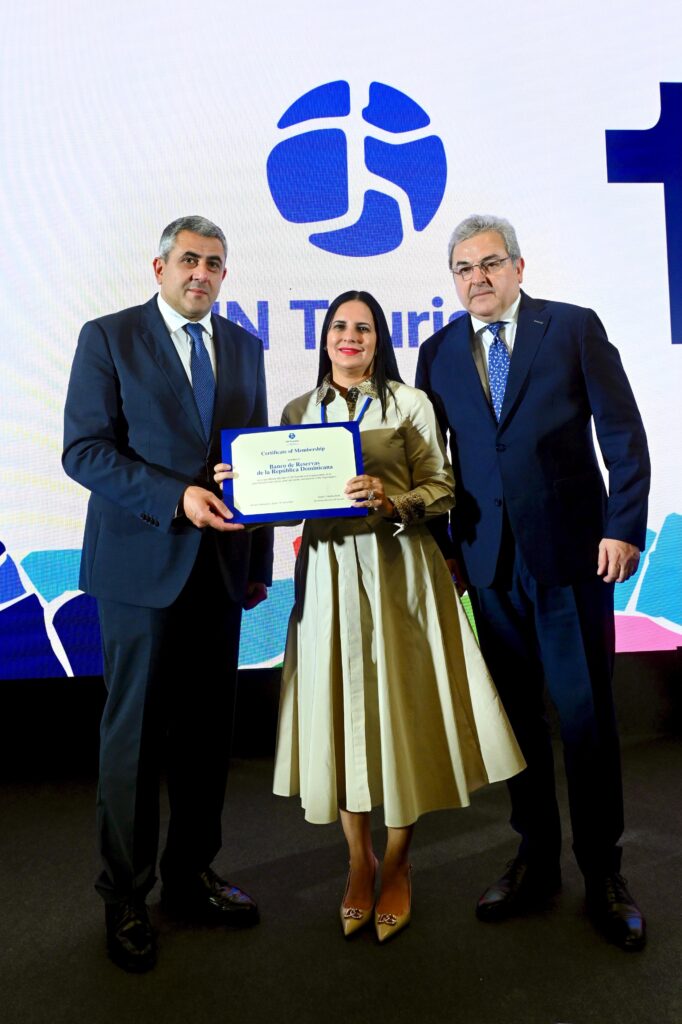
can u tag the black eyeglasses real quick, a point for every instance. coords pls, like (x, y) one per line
(489, 266)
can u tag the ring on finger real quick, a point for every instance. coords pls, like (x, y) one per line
(370, 495)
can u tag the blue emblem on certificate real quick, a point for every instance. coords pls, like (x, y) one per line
(293, 472)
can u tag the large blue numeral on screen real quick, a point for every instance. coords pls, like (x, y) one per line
(655, 155)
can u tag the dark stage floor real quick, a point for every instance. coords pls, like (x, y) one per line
(296, 966)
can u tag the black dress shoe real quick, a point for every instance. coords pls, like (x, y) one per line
(522, 887)
(614, 911)
(209, 899)
(130, 938)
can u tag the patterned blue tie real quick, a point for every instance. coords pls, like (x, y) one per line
(498, 367)
(203, 381)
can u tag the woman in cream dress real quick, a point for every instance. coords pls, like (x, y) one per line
(385, 697)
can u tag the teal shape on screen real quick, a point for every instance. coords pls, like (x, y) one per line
(53, 572)
(660, 595)
(264, 629)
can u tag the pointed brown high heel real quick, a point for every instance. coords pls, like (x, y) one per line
(388, 925)
(355, 918)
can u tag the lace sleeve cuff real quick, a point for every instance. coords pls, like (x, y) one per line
(409, 508)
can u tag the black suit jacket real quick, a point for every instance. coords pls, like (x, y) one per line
(133, 437)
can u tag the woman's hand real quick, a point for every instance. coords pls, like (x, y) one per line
(368, 492)
(222, 471)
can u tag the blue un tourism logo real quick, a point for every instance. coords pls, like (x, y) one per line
(308, 170)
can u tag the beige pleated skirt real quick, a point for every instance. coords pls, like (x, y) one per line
(385, 696)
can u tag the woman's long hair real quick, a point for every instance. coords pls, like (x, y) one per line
(385, 365)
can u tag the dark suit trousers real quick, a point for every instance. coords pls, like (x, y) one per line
(561, 636)
(171, 679)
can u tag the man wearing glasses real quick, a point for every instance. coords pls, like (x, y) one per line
(518, 385)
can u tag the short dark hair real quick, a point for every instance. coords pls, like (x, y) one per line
(385, 364)
(198, 225)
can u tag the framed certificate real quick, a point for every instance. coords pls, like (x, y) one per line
(293, 472)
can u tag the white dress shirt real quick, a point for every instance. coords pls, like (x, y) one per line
(509, 318)
(175, 322)
(483, 339)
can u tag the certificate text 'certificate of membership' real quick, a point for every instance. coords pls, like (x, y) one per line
(293, 472)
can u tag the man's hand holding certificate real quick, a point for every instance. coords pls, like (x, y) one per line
(292, 472)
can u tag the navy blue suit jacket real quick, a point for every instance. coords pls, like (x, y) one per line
(133, 437)
(540, 462)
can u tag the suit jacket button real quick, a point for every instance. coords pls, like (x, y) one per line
(498, 502)
(500, 447)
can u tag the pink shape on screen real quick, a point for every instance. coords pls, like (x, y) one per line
(638, 633)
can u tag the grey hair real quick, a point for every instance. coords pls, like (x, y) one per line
(198, 225)
(480, 222)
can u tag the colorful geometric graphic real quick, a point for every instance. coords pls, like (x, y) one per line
(49, 629)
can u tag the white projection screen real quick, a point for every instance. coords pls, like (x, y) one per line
(337, 146)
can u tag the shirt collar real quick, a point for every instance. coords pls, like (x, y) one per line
(365, 387)
(512, 314)
(174, 320)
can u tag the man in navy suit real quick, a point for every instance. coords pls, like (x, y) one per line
(518, 385)
(150, 389)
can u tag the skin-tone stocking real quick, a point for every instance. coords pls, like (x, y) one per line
(356, 828)
(394, 897)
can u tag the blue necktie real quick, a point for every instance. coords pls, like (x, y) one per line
(498, 367)
(203, 381)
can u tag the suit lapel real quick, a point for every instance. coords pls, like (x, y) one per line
(532, 324)
(222, 344)
(160, 345)
(465, 375)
